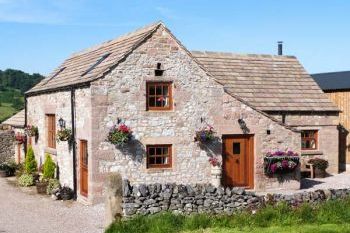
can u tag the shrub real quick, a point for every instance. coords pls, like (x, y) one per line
(9, 167)
(52, 185)
(30, 163)
(26, 180)
(319, 163)
(49, 168)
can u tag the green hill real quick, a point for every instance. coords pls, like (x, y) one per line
(13, 85)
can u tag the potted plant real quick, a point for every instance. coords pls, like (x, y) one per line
(20, 138)
(64, 134)
(320, 166)
(280, 162)
(215, 171)
(32, 131)
(26, 180)
(48, 173)
(205, 134)
(119, 135)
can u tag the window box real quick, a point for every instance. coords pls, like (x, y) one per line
(281, 162)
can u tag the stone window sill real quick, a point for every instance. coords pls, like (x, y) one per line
(51, 151)
(311, 152)
(157, 170)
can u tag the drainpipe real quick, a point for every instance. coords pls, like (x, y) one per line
(25, 124)
(72, 99)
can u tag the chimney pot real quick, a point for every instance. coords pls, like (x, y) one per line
(280, 48)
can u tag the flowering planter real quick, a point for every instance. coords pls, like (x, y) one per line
(320, 173)
(205, 135)
(119, 135)
(41, 187)
(216, 176)
(280, 162)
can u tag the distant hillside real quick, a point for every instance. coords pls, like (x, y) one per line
(13, 85)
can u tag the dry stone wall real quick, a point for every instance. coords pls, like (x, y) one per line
(188, 199)
(6, 146)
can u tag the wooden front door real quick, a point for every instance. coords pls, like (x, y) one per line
(238, 161)
(84, 158)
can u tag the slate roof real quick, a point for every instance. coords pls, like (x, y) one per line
(333, 80)
(268, 82)
(73, 70)
(16, 120)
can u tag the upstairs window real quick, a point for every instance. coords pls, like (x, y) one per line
(159, 96)
(159, 156)
(51, 130)
(309, 139)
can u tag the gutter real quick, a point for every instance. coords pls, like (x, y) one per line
(72, 100)
(25, 124)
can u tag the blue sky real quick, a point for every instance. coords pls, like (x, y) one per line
(37, 35)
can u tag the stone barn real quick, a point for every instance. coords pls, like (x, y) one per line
(148, 81)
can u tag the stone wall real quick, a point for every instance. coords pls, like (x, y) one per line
(59, 103)
(6, 146)
(122, 94)
(187, 199)
(328, 134)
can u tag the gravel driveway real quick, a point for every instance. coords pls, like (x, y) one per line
(24, 211)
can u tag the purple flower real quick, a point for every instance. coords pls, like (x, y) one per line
(273, 167)
(285, 164)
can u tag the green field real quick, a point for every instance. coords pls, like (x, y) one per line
(11, 101)
(330, 217)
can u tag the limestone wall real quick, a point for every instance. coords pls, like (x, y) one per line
(328, 135)
(122, 94)
(6, 146)
(188, 199)
(59, 103)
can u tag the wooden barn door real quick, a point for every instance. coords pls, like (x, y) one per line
(84, 158)
(238, 161)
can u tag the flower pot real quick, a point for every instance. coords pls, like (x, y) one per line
(216, 176)
(3, 173)
(41, 187)
(320, 173)
(216, 171)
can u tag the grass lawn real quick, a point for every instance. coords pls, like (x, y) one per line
(331, 216)
(6, 111)
(324, 228)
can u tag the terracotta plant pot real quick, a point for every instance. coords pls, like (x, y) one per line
(320, 173)
(41, 187)
(3, 173)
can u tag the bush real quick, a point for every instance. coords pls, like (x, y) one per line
(9, 167)
(52, 185)
(30, 163)
(49, 168)
(321, 164)
(26, 180)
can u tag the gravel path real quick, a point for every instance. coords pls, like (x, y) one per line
(24, 211)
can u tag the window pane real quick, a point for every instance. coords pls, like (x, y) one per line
(159, 150)
(165, 90)
(159, 160)
(151, 151)
(165, 150)
(159, 90)
(152, 160)
(152, 90)
(152, 101)
(236, 148)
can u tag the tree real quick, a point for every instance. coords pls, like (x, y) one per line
(30, 163)
(49, 168)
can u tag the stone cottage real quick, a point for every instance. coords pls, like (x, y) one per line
(150, 82)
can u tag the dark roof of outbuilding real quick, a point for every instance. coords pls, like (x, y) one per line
(333, 80)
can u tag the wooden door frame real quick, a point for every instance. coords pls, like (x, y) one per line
(250, 158)
(80, 168)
